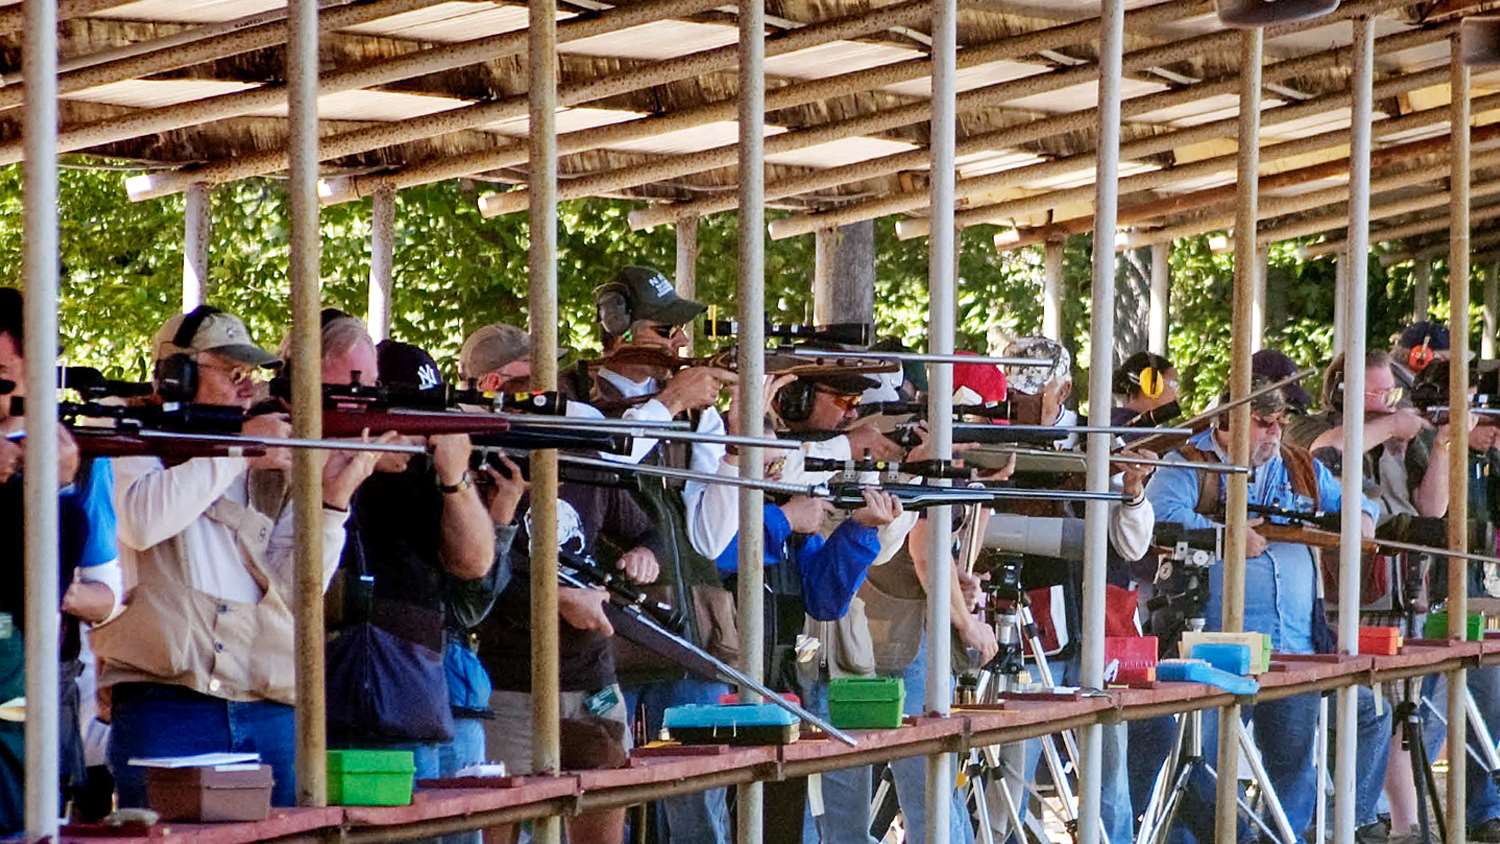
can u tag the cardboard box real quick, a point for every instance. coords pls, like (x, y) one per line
(212, 794)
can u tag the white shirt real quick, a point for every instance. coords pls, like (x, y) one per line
(154, 503)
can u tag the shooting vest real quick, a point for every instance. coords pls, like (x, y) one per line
(689, 580)
(1300, 470)
(172, 633)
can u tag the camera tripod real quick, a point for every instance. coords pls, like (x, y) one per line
(996, 773)
(1181, 609)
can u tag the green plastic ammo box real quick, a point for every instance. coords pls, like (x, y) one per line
(865, 703)
(1437, 626)
(370, 777)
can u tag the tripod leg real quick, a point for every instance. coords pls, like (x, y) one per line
(1155, 810)
(1268, 793)
(1481, 733)
(1174, 802)
(1421, 763)
(1320, 759)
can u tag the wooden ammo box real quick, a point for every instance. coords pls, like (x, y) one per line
(210, 794)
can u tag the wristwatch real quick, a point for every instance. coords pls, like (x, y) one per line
(465, 481)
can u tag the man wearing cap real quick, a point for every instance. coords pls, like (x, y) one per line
(1040, 394)
(1281, 590)
(205, 642)
(418, 532)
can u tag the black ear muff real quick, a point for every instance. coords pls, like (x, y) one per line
(176, 375)
(794, 402)
(613, 309)
(1420, 357)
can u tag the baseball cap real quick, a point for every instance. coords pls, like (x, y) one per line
(217, 332)
(404, 365)
(651, 296)
(984, 381)
(1268, 366)
(1055, 364)
(1435, 334)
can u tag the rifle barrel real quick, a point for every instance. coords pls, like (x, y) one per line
(915, 357)
(278, 442)
(1217, 468)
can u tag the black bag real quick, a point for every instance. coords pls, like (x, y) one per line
(382, 685)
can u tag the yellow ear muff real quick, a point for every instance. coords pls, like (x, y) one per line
(1151, 382)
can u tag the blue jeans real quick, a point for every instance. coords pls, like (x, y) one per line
(846, 793)
(1150, 743)
(1283, 731)
(1116, 817)
(155, 719)
(464, 749)
(1370, 754)
(1484, 685)
(701, 816)
(910, 774)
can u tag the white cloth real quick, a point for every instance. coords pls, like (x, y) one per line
(154, 503)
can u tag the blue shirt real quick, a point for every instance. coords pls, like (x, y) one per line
(1280, 583)
(831, 569)
(95, 490)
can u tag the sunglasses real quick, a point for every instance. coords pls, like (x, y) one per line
(1261, 421)
(845, 401)
(665, 332)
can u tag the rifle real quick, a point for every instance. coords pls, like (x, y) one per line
(838, 333)
(848, 495)
(1319, 530)
(1194, 424)
(631, 621)
(836, 357)
(924, 468)
(987, 410)
(1054, 460)
(906, 434)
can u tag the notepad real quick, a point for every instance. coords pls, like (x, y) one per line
(218, 761)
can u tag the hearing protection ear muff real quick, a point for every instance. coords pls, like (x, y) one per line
(613, 309)
(1149, 382)
(1421, 356)
(176, 375)
(794, 402)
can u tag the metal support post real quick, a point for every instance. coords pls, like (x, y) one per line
(1161, 296)
(1421, 271)
(942, 279)
(195, 239)
(307, 396)
(1242, 344)
(751, 296)
(39, 202)
(1101, 367)
(1052, 289)
(541, 149)
(382, 263)
(686, 277)
(1458, 385)
(1346, 710)
(1340, 291)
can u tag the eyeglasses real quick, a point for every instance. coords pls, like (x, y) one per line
(845, 401)
(237, 375)
(1390, 395)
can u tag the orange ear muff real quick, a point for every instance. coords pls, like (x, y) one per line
(1420, 356)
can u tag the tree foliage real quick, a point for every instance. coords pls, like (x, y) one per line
(121, 265)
